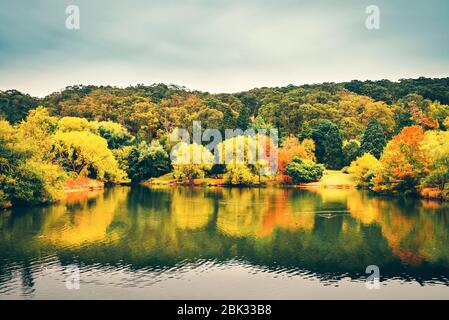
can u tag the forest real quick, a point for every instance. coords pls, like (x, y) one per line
(393, 137)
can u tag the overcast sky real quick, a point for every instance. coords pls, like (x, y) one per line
(218, 45)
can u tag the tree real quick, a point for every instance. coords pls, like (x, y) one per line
(147, 161)
(291, 147)
(364, 169)
(116, 135)
(328, 143)
(25, 176)
(446, 123)
(243, 120)
(380, 112)
(191, 161)
(403, 163)
(260, 124)
(351, 150)
(304, 171)
(439, 112)
(15, 105)
(306, 132)
(239, 174)
(66, 124)
(37, 130)
(436, 147)
(87, 154)
(374, 139)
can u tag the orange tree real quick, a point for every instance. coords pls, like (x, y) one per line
(403, 163)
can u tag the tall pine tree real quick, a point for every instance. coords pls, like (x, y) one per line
(328, 144)
(374, 139)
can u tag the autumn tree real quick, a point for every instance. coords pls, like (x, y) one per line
(26, 176)
(291, 147)
(66, 124)
(191, 161)
(363, 169)
(239, 174)
(87, 154)
(436, 147)
(403, 163)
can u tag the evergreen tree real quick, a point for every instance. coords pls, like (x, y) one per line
(328, 142)
(351, 150)
(374, 139)
(243, 120)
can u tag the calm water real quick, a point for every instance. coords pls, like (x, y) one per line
(184, 243)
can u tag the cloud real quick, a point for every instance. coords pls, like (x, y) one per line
(218, 46)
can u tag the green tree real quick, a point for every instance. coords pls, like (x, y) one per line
(243, 120)
(351, 150)
(374, 139)
(328, 144)
(116, 134)
(147, 161)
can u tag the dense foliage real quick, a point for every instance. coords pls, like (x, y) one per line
(122, 134)
(374, 139)
(304, 171)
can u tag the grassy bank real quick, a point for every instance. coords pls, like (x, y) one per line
(331, 179)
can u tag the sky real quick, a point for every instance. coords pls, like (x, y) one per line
(218, 45)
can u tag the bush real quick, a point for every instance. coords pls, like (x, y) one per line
(364, 169)
(191, 161)
(304, 171)
(238, 174)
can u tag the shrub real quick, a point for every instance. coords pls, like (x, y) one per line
(364, 169)
(304, 171)
(239, 174)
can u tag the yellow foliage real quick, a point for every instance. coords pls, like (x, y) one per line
(363, 168)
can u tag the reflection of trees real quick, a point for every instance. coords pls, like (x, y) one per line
(190, 209)
(415, 230)
(83, 220)
(240, 212)
(276, 228)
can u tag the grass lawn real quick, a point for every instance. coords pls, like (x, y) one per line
(335, 179)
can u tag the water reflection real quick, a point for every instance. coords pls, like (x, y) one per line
(331, 234)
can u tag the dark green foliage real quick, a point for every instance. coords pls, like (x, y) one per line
(403, 119)
(304, 171)
(388, 91)
(306, 132)
(328, 145)
(147, 161)
(14, 105)
(116, 135)
(374, 139)
(243, 120)
(217, 169)
(351, 151)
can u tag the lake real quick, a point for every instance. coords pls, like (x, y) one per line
(225, 243)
